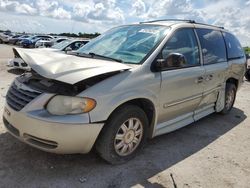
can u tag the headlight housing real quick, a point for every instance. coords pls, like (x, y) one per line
(62, 105)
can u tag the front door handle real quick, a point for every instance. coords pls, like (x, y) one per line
(199, 80)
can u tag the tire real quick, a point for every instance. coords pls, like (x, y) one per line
(247, 75)
(110, 146)
(1, 41)
(230, 96)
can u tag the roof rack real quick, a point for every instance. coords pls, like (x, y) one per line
(180, 20)
(163, 20)
(210, 25)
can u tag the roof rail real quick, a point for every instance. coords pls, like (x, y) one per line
(162, 20)
(210, 25)
(180, 20)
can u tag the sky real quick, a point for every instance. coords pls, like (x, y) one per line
(57, 16)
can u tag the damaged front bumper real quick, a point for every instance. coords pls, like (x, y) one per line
(52, 134)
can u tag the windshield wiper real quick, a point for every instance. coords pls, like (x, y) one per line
(91, 55)
(105, 57)
(82, 54)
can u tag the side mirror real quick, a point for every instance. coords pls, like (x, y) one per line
(68, 49)
(173, 60)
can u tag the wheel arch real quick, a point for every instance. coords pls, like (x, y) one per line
(147, 106)
(234, 81)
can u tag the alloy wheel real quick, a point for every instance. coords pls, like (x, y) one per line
(128, 137)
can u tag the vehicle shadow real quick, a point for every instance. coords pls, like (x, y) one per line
(22, 165)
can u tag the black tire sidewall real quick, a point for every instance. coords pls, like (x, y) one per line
(105, 142)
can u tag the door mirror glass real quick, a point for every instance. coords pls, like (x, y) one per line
(173, 61)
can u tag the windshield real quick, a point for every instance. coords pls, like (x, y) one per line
(61, 45)
(130, 44)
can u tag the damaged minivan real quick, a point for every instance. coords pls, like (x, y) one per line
(131, 83)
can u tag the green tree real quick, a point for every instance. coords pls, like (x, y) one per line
(247, 50)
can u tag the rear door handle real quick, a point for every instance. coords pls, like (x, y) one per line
(199, 80)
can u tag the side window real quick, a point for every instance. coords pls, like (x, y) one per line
(75, 45)
(234, 49)
(60, 40)
(212, 45)
(184, 42)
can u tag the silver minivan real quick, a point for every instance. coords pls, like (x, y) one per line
(131, 83)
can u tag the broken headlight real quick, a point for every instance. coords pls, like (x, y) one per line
(62, 105)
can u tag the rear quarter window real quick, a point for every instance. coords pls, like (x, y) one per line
(234, 49)
(212, 45)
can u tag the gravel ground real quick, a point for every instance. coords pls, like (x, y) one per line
(213, 152)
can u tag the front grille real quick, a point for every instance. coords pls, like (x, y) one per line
(18, 98)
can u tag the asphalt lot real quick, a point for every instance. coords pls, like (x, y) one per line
(213, 152)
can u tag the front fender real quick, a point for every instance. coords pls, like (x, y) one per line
(109, 103)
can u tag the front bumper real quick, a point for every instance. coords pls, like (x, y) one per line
(51, 136)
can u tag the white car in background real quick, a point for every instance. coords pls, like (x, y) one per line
(48, 42)
(62, 47)
(4, 37)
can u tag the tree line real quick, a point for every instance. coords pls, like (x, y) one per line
(80, 35)
(247, 50)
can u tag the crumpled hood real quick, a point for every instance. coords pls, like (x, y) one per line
(67, 68)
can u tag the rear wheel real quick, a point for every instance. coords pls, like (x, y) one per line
(247, 75)
(230, 96)
(123, 135)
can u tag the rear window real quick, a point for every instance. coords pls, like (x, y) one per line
(213, 46)
(234, 49)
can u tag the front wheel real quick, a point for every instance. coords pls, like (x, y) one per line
(123, 135)
(230, 96)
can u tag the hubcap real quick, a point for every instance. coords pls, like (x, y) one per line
(230, 99)
(128, 137)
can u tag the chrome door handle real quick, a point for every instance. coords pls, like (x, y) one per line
(199, 80)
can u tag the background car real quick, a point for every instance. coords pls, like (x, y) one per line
(48, 43)
(14, 39)
(64, 46)
(70, 45)
(4, 37)
(20, 39)
(247, 75)
(30, 42)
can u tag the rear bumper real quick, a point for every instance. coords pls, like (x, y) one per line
(55, 137)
